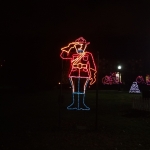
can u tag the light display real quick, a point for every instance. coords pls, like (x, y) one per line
(148, 79)
(134, 88)
(82, 71)
(140, 80)
(112, 79)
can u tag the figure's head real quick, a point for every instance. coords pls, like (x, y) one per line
(82, 44)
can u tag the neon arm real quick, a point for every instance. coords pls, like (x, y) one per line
(66, 50)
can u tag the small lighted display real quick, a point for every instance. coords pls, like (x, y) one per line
(113, 78)
(134, 88)
(140, 80)
(148, 79)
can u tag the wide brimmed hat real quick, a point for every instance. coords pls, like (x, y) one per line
(81, 40)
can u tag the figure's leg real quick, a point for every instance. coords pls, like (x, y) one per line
(82, 93)
(78, 93)
(72, 106)
(85, 86)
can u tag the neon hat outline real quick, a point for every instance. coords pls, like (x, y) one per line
(81, 40)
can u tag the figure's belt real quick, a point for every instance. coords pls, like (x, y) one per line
(80, 66)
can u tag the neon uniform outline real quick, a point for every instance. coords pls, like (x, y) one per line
(83, 70)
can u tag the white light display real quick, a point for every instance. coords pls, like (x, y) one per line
(134, 88)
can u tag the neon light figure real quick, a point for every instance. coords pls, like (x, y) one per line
(82, 70)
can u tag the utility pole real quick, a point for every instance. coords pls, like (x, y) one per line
(97, 91)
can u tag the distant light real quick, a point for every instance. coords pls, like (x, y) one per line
(1, 65)
(119, 67)
(59, 83)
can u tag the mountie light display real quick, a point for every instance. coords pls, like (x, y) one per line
(82, 71)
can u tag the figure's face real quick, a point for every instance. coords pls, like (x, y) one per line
(80, 48)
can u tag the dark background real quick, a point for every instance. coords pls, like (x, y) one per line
(32, 34)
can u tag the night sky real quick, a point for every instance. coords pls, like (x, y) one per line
(32, 33)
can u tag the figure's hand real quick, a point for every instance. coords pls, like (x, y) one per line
(69, 47)
(92, 81)
(93, 76)
(72, 45)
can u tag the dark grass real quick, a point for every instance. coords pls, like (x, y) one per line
(32, 121)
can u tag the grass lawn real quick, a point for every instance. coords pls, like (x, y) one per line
(31, 121)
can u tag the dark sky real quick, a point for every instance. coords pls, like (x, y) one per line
(32, 33)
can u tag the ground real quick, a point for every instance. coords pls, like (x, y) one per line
(34, 120)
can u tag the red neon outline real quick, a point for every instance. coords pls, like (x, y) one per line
(78, 62)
